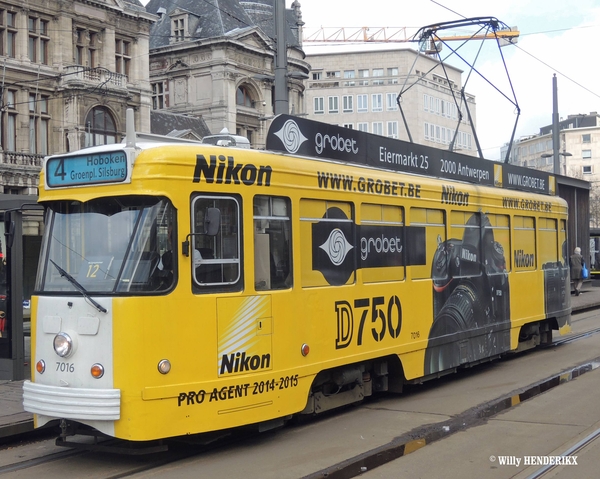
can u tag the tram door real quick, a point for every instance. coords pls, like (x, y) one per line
(18, 266)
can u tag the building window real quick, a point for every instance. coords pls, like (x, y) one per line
(8, 33)
(378, 128)
(122, 56)
(319, 105)
(348, 103)
(243, 97)
(33, 40)
(86, 47)
(391, 101)
(362, 103)
(317, 75)
(349, 74)
(587, 169)
(586, 153)
(100, 127)
(178, 29)
(9, 121)
(38, 40)
(362, 127)
(378, 72)
(377, 99)
(333, 74)
(587, 138)
(392, 72)
(37, 49)
(38, 124)
(160, 95)
(334, 104)
(350, 126)
(363, 74)
(392, 129)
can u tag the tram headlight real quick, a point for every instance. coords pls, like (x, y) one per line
(63, 345)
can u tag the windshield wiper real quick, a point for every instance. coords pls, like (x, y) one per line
(80, 288)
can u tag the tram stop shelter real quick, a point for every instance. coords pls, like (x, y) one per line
(20, 246)
(576, 193)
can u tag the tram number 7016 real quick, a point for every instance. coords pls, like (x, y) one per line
(386, 319)
(65, 367)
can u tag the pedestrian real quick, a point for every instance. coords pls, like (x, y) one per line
(576, 264)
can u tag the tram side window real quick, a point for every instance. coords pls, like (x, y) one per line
(327, 250)
(548, 245)
(434, 243)
(497, 248)
(216, 258)
(524, 243)
(381, 243)
(272, 243)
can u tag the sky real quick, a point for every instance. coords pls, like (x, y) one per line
(556, 37)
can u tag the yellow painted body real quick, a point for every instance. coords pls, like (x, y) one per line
(192, 330)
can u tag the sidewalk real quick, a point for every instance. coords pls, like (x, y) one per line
(14, 420)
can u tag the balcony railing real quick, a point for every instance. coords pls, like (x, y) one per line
(21, 159)
(77, 74)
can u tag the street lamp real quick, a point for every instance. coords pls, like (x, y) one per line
(560, 153)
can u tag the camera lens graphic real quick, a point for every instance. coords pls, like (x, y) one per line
(462, 312)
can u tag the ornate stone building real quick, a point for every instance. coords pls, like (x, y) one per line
(70, 70)
(217, 59)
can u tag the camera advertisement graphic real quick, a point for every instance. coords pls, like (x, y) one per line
(471, 298)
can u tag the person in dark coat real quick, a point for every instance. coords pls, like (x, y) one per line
(576, 264)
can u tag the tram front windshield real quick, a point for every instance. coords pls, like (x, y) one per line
(107, 246)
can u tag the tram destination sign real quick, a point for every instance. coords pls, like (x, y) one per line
(90, 169)
(300, 136)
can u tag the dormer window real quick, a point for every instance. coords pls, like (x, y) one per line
(178, 25)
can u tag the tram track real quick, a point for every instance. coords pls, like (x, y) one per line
(38, 461)
(585, 442)
(351, 467)
(572, 338)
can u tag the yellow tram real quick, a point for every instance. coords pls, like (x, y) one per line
(187, 288)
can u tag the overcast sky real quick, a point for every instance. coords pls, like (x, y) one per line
(556, 36)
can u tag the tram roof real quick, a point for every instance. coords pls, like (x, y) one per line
(299, 136)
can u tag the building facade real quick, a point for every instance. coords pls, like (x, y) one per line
(360, 90)
(70, 70)
(217, 60)
(579, 146)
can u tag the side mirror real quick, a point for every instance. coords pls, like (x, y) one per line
(212, 221)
